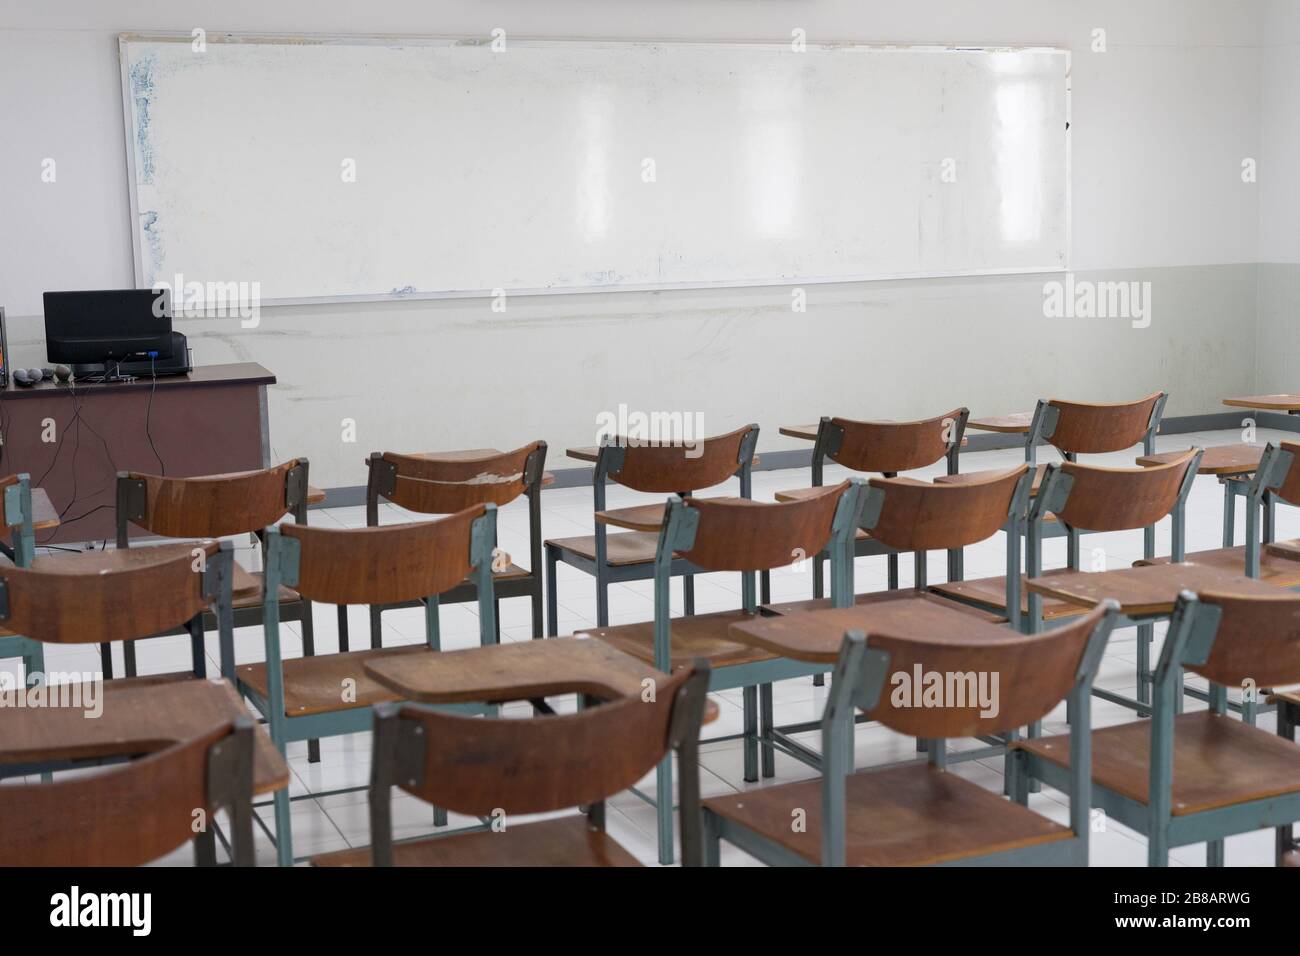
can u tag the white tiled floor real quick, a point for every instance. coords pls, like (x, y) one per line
(334, 822)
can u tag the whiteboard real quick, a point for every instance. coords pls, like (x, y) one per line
(366, 168)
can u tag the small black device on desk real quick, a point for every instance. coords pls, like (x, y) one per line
(114, 335)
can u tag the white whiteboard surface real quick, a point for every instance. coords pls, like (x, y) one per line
(526, 170)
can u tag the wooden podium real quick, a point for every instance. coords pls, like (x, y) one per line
(74, 438)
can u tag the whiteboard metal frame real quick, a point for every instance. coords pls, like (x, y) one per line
(123, 39)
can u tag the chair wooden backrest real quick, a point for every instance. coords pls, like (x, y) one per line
(433, 485)
(388, 564)
(211, 506)
(135, 812)
(113, 595)
(1083, 428)
(546, 763)
(890, 447)
(1287, 486)
(943, 687)
(1257, 640)
(1093, 498)
(910, 515)
(677, 468)
(736, 534)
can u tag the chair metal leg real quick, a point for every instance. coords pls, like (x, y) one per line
(819, 577)
(602, 596)
(376, 626)
(128, 658)
(343, 628)
(892, 563)
(766, 725)
(1145, 636)
(1214, 853)
(539, 615)
(751, 734)
(205, 846)
(106, 660)
(688, 593)
(664, 807)
(552, 597)
(283, 829)
(309, 650)
(712, 841)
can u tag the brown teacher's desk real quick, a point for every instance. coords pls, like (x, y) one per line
(211, 421)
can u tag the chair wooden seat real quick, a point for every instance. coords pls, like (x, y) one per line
(1219, 761)
(992, 592)
(1288, 695)
(1281, 572)
(248, 589)
(971, 476)
(314, 685)
(882, 597)
(699, 635)
(905, 816)
(632, 547)
(566, 841)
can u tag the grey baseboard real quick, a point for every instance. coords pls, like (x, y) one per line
(977, 441)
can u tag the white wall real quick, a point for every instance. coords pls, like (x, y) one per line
(1278, 340)
(1162, 121)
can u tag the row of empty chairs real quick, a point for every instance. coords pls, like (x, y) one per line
(1046, 650)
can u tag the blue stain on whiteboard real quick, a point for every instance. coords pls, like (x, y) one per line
(153, 239)
(404, 290)
(142, 92)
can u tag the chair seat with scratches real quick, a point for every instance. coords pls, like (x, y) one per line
(1198, 777)
(924, 814)
(498, 769)
(735, 534)
(682, 469)
(444, 483)
(330, 694)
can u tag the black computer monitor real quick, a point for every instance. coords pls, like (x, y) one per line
(107, 326)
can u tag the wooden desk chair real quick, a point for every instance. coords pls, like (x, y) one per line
(131, 814)
(17, 507)
(1080, 428)
(1198, 777)
(330, 694)
(735, 534)
(653, 469)
(433, 485)
(104, 596)
(1261, 557)
(217, 506)
(920, 814)
(1080, 499)
(493, 767)
(886, 448)
(1288, 717)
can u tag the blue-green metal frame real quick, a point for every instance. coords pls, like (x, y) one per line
(860, 675)
(677, 534)
(1189, 639)
(18, 519)
(282, 567)
(609, 462)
